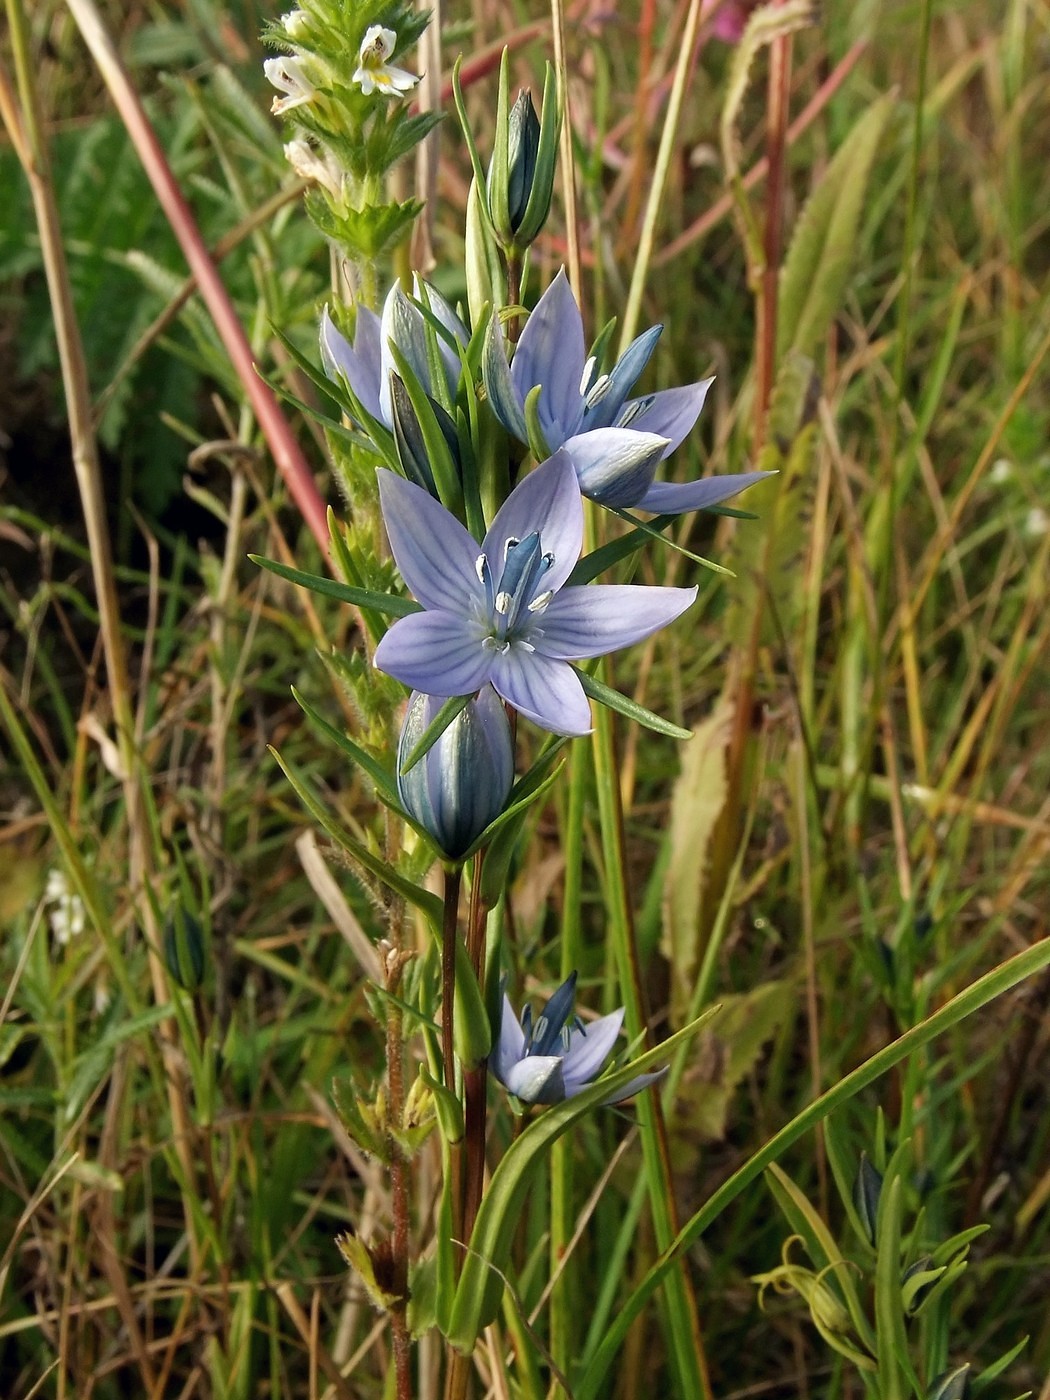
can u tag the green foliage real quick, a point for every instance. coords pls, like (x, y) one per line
(824, 243)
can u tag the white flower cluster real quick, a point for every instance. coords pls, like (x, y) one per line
(65, 908)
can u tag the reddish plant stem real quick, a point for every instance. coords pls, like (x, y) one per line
(779, 96)
(449, 934)
(290, 461)
(395, 1069)
(449, 929)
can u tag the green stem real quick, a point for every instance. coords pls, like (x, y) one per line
(563, 1313)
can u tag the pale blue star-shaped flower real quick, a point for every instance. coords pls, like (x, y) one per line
(499, 613)
(367, 364)
(616, 443)
(558, 1056)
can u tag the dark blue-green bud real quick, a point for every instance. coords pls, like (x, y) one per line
(520, 180)
(462, 783)
(867, 1189)
(184, 950)
(523, 145)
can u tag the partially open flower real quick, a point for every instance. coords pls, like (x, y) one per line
(558, 1056)
(462, 783)
(373, 72)
(288, 75)
(367, 364)
(616, 442)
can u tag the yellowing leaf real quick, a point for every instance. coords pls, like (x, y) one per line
(698, 798)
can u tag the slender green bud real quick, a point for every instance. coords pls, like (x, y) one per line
(184, 950)
(866, 1191)
(521, 173)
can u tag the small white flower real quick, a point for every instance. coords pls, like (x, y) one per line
(66, 909)
(321, 167)
(373, 72)
(288, 75)
(1036, 522)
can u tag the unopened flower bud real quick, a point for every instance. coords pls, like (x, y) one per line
(523, 145)
(462, 783)
(521, 172)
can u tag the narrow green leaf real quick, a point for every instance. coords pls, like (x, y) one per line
(654, 531)
(537, 441)
(624, 705)
(428, 904)
(595, 563)
(993, 984)
(892, 1340)
(383, 780)
(821, 1246)
(387, 603)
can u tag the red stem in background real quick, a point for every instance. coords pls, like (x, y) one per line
(779, 97)
(287, 455)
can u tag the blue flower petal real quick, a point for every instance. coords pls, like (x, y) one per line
(615, 466)
(436, 555)
(671, 412)
(604, 406)
(547, 692)
(599, 617)
(511, 1044)
(546, 502)
(440, 653)
(551, 352)
(503, 397)
(669, 497)
(588, 1050)
(359, 364)
(537, 1079)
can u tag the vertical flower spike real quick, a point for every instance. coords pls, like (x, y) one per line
(462, 783)
(499, 612)
(558, 1056)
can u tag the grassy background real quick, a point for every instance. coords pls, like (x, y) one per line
(893, 794)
